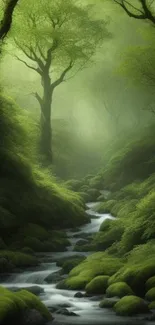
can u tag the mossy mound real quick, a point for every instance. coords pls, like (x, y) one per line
(93, 194)
(152, 305)
(68, 265)
(119, 289)
(135, 275)
(150, 283)
(150, 295)
(103, 239)
(95, 265)
(105, 207)
(106, 225)
(108, 303)
(131, 305)
(12, 306)
(98, 285)
(18, 259)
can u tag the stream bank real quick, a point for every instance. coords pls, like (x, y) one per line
(65, 307)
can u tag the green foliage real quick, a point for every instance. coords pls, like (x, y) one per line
(119, 289)
(131, 305)
(98, 285)
(31, 200)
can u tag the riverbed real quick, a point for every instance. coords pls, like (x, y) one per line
(86, 309)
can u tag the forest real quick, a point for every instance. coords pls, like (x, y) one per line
(77, 162)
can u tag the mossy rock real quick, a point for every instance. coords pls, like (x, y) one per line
(34, 302)
(106, 225)
(131, 305)
(27, 250)
(2, 244)
(98, 285)
(152, 305)
(108, 303)
(101, 198)
(95, 265)
(135, 276)
(19, 259)
(93, 194)
(74, 283)
(12, 305)
(150, 283)
(102, 240)
(70, 264)
(34, 243)
(119, 289)
(150, 295)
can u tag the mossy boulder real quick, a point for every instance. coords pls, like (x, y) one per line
(150, 295)
(119, 289)
(98, 285)
(150, 283)
(152, 305)
(135, 276)
(131, 305)
(27, 250)
(18, 259)
(108, 303)
(13, 306)
(93, 194)
(95, 265)
(71, 263)
(103, 240)
(101, 198)
(106, 225)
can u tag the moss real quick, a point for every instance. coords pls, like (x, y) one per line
(131, 305)
(93, 194)
(106, 225)
(150, 295)
(68, 265)
(107, 303)
(13, 304)
(104, 239)
(119, 289)
(19, 259)
(74, 283)
(101, 198)
(95, 264)
(34, 243)
(105, 207)
(28, 250)
(152, 305)
(150, 283)
(34, 302)
(98, 285)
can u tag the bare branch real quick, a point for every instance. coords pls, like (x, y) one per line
(37, 96)
(6, 22)
(145, 13)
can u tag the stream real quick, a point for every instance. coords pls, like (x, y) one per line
(87, 310)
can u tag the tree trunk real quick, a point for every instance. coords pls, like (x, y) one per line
(45, 121)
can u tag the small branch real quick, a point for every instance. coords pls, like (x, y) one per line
(62, 76)
(38, 97)
(28, 65)
(6, 22)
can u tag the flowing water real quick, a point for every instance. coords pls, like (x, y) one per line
(87, 310)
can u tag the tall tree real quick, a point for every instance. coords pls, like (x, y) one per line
(5, 24)
(139, 9)
(54, 38)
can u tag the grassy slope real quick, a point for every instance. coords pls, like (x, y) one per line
(126, 245)
(29, 195)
